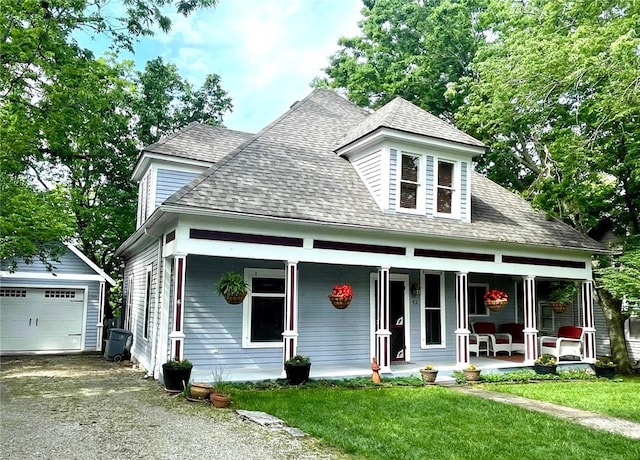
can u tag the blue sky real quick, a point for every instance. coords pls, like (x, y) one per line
(265, 51)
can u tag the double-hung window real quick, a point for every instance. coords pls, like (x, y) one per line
(433, 311)
(410, 181)
(263, 322)
(475, 296)
(445, 188)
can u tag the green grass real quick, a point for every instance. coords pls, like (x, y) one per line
(618, 398)
(431, 422)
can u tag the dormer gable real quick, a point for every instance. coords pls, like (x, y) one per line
(413, 162)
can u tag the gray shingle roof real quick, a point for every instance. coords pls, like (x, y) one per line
(200, 142)
(290, 171)
(402, 115)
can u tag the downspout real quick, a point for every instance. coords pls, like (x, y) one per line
(156, 312)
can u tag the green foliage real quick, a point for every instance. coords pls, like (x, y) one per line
(231, 284)
(179, 364)
(299, 360)
(605, 361)
(546, 360)
(563, 292)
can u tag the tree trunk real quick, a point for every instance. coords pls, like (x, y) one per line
(615, 325)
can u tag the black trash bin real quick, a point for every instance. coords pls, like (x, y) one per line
(118, 344)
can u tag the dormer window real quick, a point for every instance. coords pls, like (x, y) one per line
(447, 188)
(410, 181)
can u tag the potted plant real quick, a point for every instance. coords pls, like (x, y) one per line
(297, 369)
(471, 373)
(429, 374)
(232, 287)
(545, 364)
(605, 367)
(495, 299)
(561, 295)
(218, 396)
(176, 374)
(341, 296)
(199, 391)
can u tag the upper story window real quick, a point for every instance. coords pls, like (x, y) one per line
(447, 189)
(410, 182)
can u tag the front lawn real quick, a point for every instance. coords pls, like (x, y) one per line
(431, 422)
(618, 398)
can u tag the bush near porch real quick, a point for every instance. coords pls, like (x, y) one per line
(433, 422)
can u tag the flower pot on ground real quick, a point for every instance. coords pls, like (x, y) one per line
(297, 369)
(545, 364)
(219, 400)
(176, 374)
(429, 374)
(232, 287)
(200, 390)
(605, 367)
(218, 395)
(341, 296)
(495, 299)
(471, 373)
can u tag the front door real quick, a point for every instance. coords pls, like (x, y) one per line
(397, 320)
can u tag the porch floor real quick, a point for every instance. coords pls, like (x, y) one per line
(501, 364)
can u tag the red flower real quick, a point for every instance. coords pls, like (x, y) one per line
(495, 294)
(342, 291)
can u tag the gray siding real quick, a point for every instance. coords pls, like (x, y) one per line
(168, 182)
(603, 343)
(464, 205)
(429, 186)
(369, 169)
(69, 264)
(137, 266)
(393, 168)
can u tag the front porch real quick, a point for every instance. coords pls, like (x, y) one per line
(336, 371)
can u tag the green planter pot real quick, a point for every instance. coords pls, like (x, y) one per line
(542, 370)
(606, 372)
(297, 374)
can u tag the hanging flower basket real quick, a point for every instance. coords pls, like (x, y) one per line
(495, 305)
(235, 299)
(341, 296)
(559, 307)
(495, 300)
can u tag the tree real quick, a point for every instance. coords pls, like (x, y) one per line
(166, 102)
(409, 49)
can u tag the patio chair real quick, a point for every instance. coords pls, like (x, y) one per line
(517, 335)
(498, 341)
(474, 344)
(568, 342)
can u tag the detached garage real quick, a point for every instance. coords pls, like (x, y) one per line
(50, 312)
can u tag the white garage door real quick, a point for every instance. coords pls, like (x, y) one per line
(41, 319)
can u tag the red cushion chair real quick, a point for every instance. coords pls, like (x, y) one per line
(497, 341)
(517, 335)
(568, 342)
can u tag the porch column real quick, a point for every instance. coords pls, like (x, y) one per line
(530, 321)
(383, 334)
(589, 329)
(100, 324)
(177, 335)
(462, 320)
(290, 334)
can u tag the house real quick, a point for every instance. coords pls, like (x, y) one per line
(386, 202)
(58, 311)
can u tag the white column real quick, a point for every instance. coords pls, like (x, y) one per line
(530, 321)
(177, 334)
(383, 334)
(290, 334)
(100, 324)
(462, 320)
(589, 343)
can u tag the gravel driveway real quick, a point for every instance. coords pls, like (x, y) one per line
(81, 407)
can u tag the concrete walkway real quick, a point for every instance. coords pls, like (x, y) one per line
(581, 417)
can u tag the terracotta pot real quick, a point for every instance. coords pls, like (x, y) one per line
(428, 376)
(200, 390)
(219, 399)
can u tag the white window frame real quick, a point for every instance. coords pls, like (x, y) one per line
(423, 315)
(146, 312)
(129, 307)
(420, 191)
(457, 185)
(249, 274)
(485, 286)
